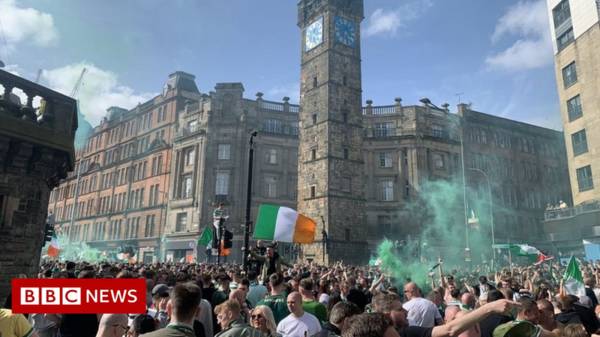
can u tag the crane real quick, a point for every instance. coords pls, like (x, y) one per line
(78, 83)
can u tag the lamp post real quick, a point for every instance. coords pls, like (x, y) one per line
(491, 206)
(462, 158)
(247, 227)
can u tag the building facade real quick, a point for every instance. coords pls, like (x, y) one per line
(36, 151)
(575, 28)
(118, 193)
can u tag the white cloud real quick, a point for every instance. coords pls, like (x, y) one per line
(291, 90)
(25, 25)
(383, 22)
(528, 22)
(99, 90)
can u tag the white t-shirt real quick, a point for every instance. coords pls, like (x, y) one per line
(422, 312)
(293, 326)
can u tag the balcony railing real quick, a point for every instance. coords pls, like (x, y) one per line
(54, 118)
(568, 212)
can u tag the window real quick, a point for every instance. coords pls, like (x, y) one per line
(346, 154)
(565, 39)
(313, 154)
(271, 156)
(345, 117)
(574, 108)
(569, 74)
(384, 129)
(579, 143)
(224, 151)
(584, 178)
(313, 191)
(186, 186)
(189, 157)
(385, 159)
(437, 131)
(192, 126)
(314, 118)
(384, 222)
(222, 184)
(438, 161)
(273, 126)
(181, 222)
(387, 190)
(271, 187)
(149, 230)
(561, 13)
(315, 82)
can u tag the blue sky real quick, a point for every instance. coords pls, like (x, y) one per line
(496, 53)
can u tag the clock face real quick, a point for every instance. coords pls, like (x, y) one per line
(345, 31)
(314, 34)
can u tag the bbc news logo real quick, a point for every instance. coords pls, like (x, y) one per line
(79, 296)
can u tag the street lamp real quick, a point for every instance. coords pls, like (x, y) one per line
(247, 228)
(489, 187)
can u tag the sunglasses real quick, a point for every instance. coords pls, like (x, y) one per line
(257, 317)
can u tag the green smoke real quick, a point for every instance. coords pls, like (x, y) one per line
(75, 251)
(433, 227)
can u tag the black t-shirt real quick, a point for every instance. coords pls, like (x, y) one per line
(488, 324)
(415, 331)
(79, 325)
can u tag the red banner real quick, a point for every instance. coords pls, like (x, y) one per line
(79, 296)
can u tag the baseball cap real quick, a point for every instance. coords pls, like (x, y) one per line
(161, 290)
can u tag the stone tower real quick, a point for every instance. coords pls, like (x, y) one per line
(330, 164)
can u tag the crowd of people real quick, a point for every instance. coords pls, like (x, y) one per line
(276, 298)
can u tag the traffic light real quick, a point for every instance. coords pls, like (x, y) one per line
(227, 239)
(48, 233)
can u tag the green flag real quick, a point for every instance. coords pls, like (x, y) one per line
(573, 280)
(206, 236)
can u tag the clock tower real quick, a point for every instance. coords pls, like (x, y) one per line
(330, 164)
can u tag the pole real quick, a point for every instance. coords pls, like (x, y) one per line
(248, 225)
(491, 206)
(462, 157)
(324, 235)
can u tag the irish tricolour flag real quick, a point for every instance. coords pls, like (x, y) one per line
(278, 223)
(573, 280)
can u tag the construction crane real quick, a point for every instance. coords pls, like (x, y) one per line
(78, 84)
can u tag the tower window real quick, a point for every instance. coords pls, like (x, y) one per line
(344, 80)
(315, 82)
(313, 154)
(313, 191)
(346, 154)
(314, 119)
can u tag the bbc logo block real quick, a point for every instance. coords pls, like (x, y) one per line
(50, 296)
(78, 296)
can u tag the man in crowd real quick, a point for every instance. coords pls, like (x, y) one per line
(277, 300)
(112, 325)
(309, 303)
(488, 324)
(271, 262)
(239, 296)
(15, 325)
(231, 322)
(298, 323)
(547, 319)
(421, 312)
(257, 291)
(185, 299)
(337, 319)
